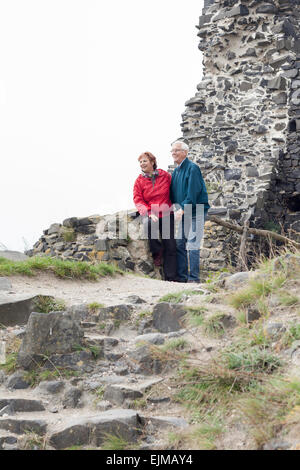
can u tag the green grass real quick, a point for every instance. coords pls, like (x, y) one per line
(10, 365)
(251, 360)
(291, 335)
(47, 304)
(288, 300)
(199, 437)
(195, 315)
(256, 292)
(268, 407)
(94, 306)
(177, 344)
(177, 297)
(213, 325)
(61, 268)
(113, 442)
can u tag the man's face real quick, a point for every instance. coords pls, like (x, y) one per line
(178, 154)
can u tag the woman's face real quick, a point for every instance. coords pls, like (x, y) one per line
(146, 165)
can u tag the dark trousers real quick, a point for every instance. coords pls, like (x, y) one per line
(164, 229)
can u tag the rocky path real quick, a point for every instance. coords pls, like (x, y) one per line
(122, 392)
(109, 291)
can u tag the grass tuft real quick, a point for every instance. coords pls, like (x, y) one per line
(61, 268)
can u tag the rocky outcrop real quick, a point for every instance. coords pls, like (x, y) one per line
(117, 238)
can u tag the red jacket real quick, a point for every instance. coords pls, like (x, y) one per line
(145, 194)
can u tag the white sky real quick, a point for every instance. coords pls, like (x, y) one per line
(85, 87)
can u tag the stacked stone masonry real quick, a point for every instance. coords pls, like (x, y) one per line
(243, 124)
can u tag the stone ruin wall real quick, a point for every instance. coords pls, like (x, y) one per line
(243, 123)
(243, 128)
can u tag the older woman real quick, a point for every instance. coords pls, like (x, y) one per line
(151, 195)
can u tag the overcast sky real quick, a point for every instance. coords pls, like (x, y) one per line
(86, 86)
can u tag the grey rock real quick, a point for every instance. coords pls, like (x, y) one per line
(7, 411)
(274, 329)
(22, 404)
(280, 98)
(116, 312)
(46, 334)
(72, 398)
(5, 284)
(118, 393)
(54, 228)
(79, 312)
(17, 381)
(167, 421)
(103, 405)
(237, 279)
(278, 83)
(168, 317)
(154, 338)
(53, 386)
(93, 430)
(266, 8)
(232, 174)
(6, 441)
(21, 426)
(252, 314)
(16, 309)
(143, 361)
(135, 299)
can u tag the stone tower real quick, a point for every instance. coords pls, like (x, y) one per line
(243, 124)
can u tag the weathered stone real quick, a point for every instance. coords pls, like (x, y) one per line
(135, 299)
(266, 8)
(7, 441)
(232, 174)
(16, 309)
(118, 393)
(17, 381)
(22, 404)
(154, 338)
(168, 317)
(237, 279)
(53, 386)
(21, 426)
(116, 312)
(46, 334)
(93, 430)
(144, 361)
(274, 330)
(72, 397)
(162, 422)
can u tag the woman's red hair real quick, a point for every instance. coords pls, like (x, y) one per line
(150, 157)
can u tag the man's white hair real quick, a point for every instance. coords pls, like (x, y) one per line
(184, 146)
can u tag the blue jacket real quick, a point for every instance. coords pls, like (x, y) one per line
(188, 187)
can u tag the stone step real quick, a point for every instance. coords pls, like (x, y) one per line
(21, 405)
(93, 430)
(22, 426)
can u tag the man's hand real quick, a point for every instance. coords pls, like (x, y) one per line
(153, 217)
(179, 214)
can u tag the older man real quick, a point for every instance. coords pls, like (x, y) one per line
(189, 195)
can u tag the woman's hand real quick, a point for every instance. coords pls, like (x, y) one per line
(153, 217)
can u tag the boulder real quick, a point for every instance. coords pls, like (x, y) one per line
(168, 317)
(47, 334)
